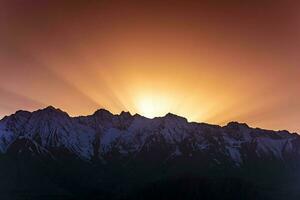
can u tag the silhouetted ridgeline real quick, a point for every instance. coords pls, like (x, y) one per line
(47, 154)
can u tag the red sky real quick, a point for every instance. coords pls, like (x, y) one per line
(208, 61)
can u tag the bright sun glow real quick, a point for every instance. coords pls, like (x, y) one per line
(154, 106)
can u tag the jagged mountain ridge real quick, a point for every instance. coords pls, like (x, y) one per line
(105, 137)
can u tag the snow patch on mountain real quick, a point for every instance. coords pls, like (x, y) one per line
(6, 137)
(275, 147)
(235, 155)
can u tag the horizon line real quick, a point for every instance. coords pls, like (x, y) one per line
(137, 114)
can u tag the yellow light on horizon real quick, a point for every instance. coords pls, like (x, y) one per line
(154, 106)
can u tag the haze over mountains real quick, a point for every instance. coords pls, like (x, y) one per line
(47, 152)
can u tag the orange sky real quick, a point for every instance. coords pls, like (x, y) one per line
(213, 62)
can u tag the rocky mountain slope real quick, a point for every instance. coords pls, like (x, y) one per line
(103, 133)
(123, 147)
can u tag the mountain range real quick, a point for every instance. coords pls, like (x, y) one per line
(46, 154)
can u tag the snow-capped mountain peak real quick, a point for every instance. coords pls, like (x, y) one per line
(103, 134)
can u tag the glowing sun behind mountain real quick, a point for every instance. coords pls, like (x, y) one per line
(154, 106)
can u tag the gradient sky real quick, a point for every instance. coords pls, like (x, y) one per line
(212, 61)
